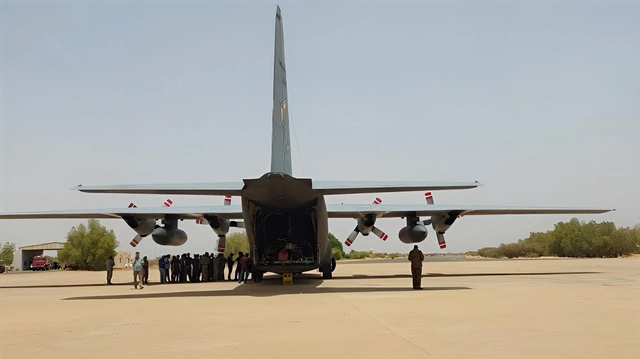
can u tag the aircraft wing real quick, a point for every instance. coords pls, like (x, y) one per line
(190, 212)
(390, 210)
(235, 188)
(355, 187)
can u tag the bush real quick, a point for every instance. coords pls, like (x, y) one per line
(358, 255)
(572, 239)
(489, 252)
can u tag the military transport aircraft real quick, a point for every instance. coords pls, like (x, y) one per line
(286, 218)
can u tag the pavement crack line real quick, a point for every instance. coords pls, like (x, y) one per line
(389, 329)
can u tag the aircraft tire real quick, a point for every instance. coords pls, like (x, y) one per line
(333, 264)
(326, 272)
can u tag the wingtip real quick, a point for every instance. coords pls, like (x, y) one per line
(278, 13)
(479, 184)
(76, 188)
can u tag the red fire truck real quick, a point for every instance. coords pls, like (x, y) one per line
(41, 263)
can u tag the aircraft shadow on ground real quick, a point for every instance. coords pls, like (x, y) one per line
(315, 278)
(267, 288)
(63, 285)
(439, 275)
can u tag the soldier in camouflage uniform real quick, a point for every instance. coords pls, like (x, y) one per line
(416, 257)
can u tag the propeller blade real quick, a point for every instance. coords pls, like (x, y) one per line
(352, 236)
(428, 197)
(379, 233)
(441, 241)
(134, 242)
(237, 224)
(222, 241)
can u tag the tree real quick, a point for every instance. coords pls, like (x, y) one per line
(573, 239)
(88, 248)
(236, 242)
(6, 253)
(336, 247)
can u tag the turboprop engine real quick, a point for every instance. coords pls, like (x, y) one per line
(366, 225)
(169, 237)
(220, 225)
(413, 233)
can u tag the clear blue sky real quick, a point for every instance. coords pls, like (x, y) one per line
(539, 101)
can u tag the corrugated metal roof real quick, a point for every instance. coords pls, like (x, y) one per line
(43, 247)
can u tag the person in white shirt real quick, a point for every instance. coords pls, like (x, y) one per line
(137, 268)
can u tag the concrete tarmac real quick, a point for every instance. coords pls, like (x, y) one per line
(564, 308)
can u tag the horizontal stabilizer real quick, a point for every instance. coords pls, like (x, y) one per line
(235, 188)
(356, 187)
(211, 189)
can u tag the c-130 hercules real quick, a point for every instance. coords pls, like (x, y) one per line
(286, 218)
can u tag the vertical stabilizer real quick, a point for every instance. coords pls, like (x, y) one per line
(280, 140)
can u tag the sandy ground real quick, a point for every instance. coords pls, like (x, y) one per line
(588, 308)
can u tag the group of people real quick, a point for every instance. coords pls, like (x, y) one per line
(204, 268)
(182, 268)
(207, 267)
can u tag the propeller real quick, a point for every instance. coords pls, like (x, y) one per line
(374, 229)
(227, 202)
(439, 235)
(136, 240)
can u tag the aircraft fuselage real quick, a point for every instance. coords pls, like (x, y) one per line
(286, 223)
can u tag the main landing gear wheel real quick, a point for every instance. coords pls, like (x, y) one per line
(327, 270)
(326, 273)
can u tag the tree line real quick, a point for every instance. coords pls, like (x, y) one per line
(571, 239)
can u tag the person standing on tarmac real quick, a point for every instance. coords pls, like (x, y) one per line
(187, 267)
(204, 266)
(137, 268)
(220, 262)
(195, 264)
(416, 257)
(244, 269)
(230, 265)
(211, 267)
(238, 269)
(145, 271)
(110, 264)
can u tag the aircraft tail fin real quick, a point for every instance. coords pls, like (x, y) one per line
(280, 139)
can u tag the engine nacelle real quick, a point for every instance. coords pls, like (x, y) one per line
(171, 237)
(366, 223)
(413, 233)
(442, 223)
(143, 227)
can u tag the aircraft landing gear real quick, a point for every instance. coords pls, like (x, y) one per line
(327, 270)
(326, 273)
(259, 275)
